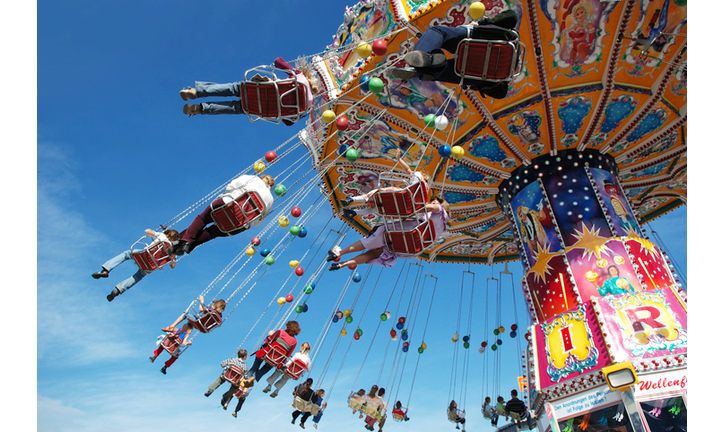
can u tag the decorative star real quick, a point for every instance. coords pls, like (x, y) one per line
(542, 267)
(591, 242)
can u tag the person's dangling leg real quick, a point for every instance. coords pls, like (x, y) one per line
(206, 89)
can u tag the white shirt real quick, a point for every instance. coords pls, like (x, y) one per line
(305, 359)
(250, 183)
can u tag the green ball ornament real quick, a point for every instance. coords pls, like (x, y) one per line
(466, 344)
(351, 155)
(299, 309)
(375, 85)
(420, 350)
(494, 347)
(348, 319)
(280, 190)
(294, 230)
(383, 317)
(269, 260)
(496, 332)
(308, 289)
(429, 120)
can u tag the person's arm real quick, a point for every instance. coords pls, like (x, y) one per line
(433, 207)
(402, 163)
(172, 264)
(186, 339)
(202, 308)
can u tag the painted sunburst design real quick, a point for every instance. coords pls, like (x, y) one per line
(592, 243)
(542, 268)
(647, 246)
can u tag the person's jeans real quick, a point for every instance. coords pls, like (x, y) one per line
(118, 259)
(206, 89)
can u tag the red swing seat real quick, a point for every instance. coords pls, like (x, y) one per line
(233, 373)
(495, 55)
(275, 99)
(241, 392)
(404, 202)
(295, 369)
(207, 321)
(411, 242)
(152, 257)
(171, 343)
(238, 213)
(276, 352)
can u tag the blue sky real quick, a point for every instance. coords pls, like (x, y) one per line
(115, 155)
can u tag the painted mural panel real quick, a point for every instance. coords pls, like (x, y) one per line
(551, 289)
(603, 270)
(617, 112)
(615, 202)
(534, 223)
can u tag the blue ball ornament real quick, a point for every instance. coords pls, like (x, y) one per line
(405, 348)
(444, 151)
(356, 277)
(335, 318)
(399, 326)
(364, 83)
(304, 307)
(342, 149)
(499, 342)
(303, 232)
(404, 336)
(512, 334)
(466, 338)
(264, 252)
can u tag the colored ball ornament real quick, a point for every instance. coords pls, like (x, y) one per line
(405, 348)
(269, 260)
(335, 318)
(299, 271)
(343, 332)
(259, 167)
(499, 342)
(298, 309)
(387, 314)
(393, 333)
(364, 49)
(501, 329)
(404, 336)
(351, 155)
(351, 266)
(295, 211)
(328, 116)
(466, 338)
(280, 190)
(376, 85)
(283, 221)
(383, 317)
(441, 122)
(495, 331)
(294, 230)
(401, 320)
(303, 232)
(476, 10)
(270, 156)
(281, 301)
(342, 124)
(444, 150)
(420, 350)
(423, 345)
(380, 47)
(429, 120)
(457, 152)
(514, 327)
(256, 241)
(359, 331)
(399, 326)
(347, 312)
(308, 289)
(305, 307)
(342, 149)
(339, 314)
(481, 350)
(348, 319)
(356, 336)
(250, 251)
(294, 263)
(364, 80)
(264, 252)
(484, 344)
(466, 344)
(494, 347)
(356, 277)
(512, 334)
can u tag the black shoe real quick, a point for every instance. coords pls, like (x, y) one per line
(348, 213)
(405, 73)
(334, 266)
(422, 59)
(163, 370)
(151, 359)
(187, 248)
(101, 274)
(331, 255)
(302, 425)
(207, 394)
(346, 202)
(115, 293)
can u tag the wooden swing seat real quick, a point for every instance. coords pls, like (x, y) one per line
(353, 403)
(494, 54)
(399, 417)
(152, 257)
(238, 213)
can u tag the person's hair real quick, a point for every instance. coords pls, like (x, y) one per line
(242, 353)
(219, 305)
(499, 399)
(320, 391)
(514, 392)
(425, 175)
(292, 328)
(613, 267)
(187, 324)
(452, 405)
(488, 399)
(309, 381)
(171, 234)
(442, 201)
(305, 347)
(268, 180)
(398, 405)
(381, 392)
(361, 392)
(373, 391)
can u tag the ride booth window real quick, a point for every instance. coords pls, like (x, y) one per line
(612, 418)
(668, 414)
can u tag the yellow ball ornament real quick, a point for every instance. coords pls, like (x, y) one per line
(347, 312)
(283, 221)
(294, 263)
(328, 116)
(281, 301)
(476, 10)
(457, 152)
(364, 49)
(250, 251)
(259, 167)
(343, 332)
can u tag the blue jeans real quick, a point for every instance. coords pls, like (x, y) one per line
(118, 259)
(256, 371)
(206, 89)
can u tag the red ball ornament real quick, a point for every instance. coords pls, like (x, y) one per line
(336, 259)
(380, 47)
(356, 336)
(299, 271)
(289, 298)
(256, 241)
(401, 320)
(393, 333)
(342, 124)
(270, 156)
(352, 266)
(296, 211)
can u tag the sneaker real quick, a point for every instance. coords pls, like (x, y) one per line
(421, 59)
(163, 370)
(152, 358)
(267, 389)
(191, 110)
(188, 93)
(302, 425)
(346, 202)
(101, 274)
(274, 394)
(115, 293)
(234, 414)
(333, 253)
(293, 421)
(207, 394)
(348, 213)
(314, 425)
(334, 266)
(405, 73)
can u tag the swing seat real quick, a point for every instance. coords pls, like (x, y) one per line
(276, 352)
(295, 369)
(372, 412)
(273, 100)
(502, 411)
(207, 321)
(400, 417)
(405, 202)
(152, 257)
(305, 406)
(493, 54)
(410, 242)
(353, 403)
(171, 343)
(239, 213)
(486, 412)
(233, 373)
(241, 392)
(455, 415)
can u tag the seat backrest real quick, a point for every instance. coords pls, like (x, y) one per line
(486, 60)
(277, 352)
(276, 99)
(152, 257)
(232, 373)
(411, 242)
(207, 321)
(353, 403)
(295, 369)
(404, 202)
(501, 410)
(171, 343)
(238, 213)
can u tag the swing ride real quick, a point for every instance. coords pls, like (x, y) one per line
(589, 143)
